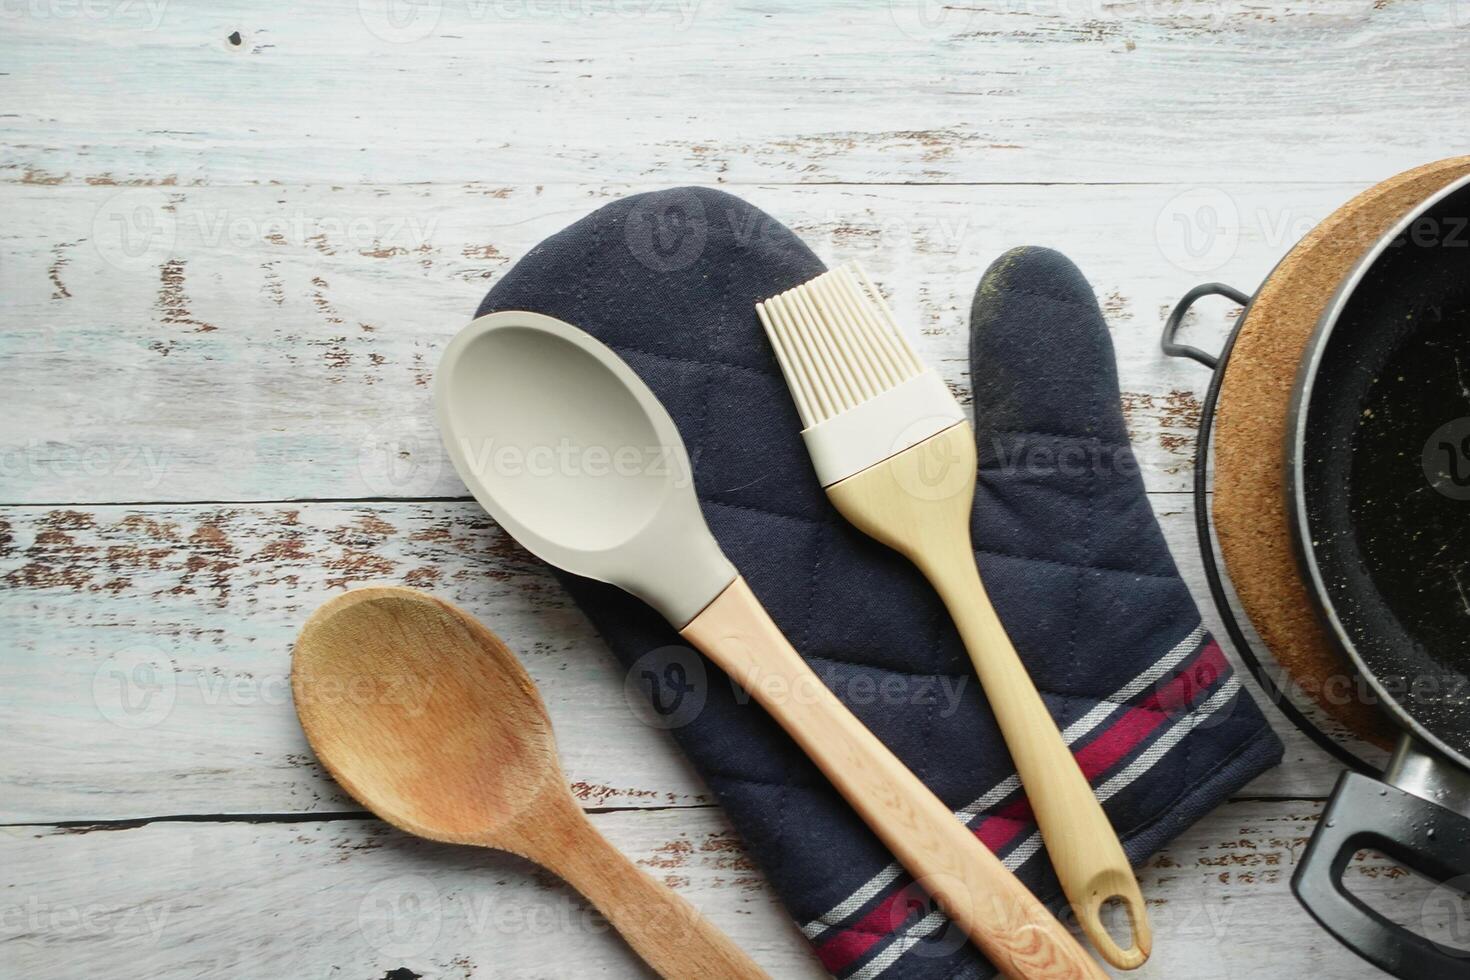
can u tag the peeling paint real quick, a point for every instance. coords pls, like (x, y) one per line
(173, 302)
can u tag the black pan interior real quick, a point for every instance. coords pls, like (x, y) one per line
(1385, 471)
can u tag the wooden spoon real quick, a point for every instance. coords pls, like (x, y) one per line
(429, 721)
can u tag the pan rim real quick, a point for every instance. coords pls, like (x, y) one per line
(1295, 480)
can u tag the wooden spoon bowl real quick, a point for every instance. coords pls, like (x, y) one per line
(429, 721)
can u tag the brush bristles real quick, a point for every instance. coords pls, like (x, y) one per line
(837, 343)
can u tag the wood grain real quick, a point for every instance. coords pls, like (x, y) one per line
(162, 636)
(190, 899)
(238, 235)
(464, 754)
(712, 91)
(984, 899)
(161, 338)
(357, 898)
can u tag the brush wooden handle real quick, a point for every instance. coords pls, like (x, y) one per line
(666, 931)
(918, 502)
(1019, 935)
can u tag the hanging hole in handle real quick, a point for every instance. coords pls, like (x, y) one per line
(1118, 927)
(1173, 348)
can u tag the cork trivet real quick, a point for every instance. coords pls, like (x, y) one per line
(1250, 439)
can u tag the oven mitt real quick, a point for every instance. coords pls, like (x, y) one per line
(1067, 543)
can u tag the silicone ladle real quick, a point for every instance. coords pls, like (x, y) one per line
(575, 457)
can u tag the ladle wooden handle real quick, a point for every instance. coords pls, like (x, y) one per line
(667, 932)
(989, 903)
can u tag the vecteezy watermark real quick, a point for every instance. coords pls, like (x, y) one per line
(147, 14)
(405, 915)
(667, 232)
(1446, 459)
(1198, 230)
(142, 465)
(934, 467)
(1435, 231)
(407, 21)
(941, 467)
(1046, 457)
(135, 229)
(1349, 688)
(401, 916)
(667, 688)
(1444, 917)
(139, 688)
(140, 227)
(400, 21)
(47, 922)
(1446, 15)
(857, 689)
(409, 694)
(925, 19)
(930, 19)
(1447, 689)
(135, 688)
(574, 460)
(400, 456)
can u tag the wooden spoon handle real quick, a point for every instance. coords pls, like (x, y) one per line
(1081, 842)
(665, 930)
(994, 909)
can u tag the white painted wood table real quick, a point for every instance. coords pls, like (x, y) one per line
(235, 237)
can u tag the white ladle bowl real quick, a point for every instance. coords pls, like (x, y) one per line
(572, 454)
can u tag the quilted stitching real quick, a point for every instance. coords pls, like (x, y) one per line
(684, 319)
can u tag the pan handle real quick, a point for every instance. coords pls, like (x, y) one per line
(1171, 326)
(1435, 841)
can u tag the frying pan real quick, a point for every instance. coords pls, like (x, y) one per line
(1378, 483)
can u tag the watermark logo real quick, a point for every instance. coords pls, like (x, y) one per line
(666, 688)
(41, 458)
(667, 232)
(135, 688)
(400, 21)
(1447, 15)
(923, 20)
(408, 21)
(539, 461)
(147, 14)
(37, 923)
(141, 227)
(1198, 230)
(1446, 459)
(402, 916)
(135, 229)
(1444, 918)
(398, 456)
(934, 467)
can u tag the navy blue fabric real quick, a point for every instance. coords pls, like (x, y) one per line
(1066, 540)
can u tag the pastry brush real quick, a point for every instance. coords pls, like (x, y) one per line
(897, 457)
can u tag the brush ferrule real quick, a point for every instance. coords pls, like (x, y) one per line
(883, 426)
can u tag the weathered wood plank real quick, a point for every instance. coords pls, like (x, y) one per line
(275, 343)
(354, 898)
(147, 652)
(708, 90)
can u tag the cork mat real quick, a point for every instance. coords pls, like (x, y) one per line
(1251, 519)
